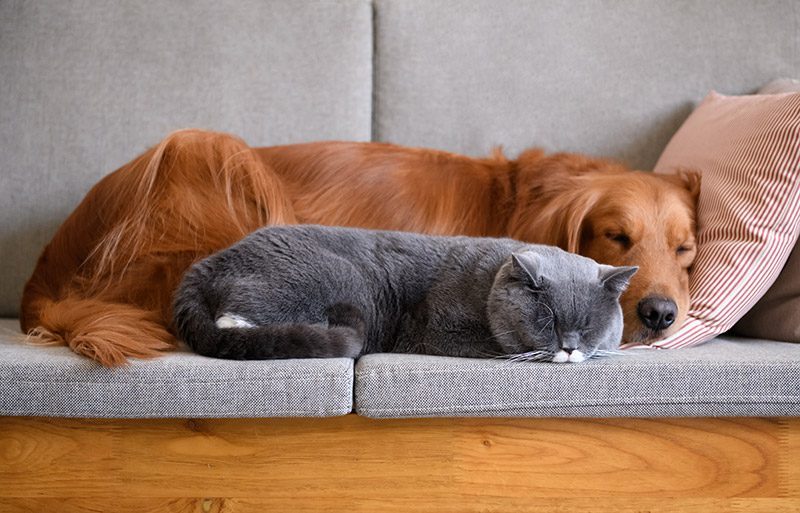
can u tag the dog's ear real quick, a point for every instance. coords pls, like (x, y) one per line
(691, 180)
(555, 195)
(571, 214)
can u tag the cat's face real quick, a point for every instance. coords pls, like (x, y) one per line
(557, 306)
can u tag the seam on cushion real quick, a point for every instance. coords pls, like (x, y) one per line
(336, 378)
(581, 412)
(402, 370)
(87, 414)
(788, 399)
(607, 400)
(556, 406)
(166, 364)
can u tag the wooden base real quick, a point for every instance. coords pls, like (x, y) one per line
(355, 464)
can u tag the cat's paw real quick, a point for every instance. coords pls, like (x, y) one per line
(228, 320)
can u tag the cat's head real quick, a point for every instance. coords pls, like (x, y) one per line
(557, 306)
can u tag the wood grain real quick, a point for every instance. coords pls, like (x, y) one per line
(790, 457)
(261, 505)
(356, 464)
(656, 458)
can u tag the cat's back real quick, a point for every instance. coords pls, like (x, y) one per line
(308, 245)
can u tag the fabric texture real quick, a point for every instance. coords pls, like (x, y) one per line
(55, 382)
(86, 86)
(747, 149)
(776, 316)
(726, 377)
(607, 77)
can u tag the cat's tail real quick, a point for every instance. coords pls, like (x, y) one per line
(343, 337)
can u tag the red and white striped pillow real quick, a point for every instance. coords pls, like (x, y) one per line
(748, 151)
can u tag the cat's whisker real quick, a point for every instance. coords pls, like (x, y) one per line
(530, 356)
(499, 334)
(438, 352)
(552, 313)
(602, 353)
(546, 326)
(492, 356)
(539, 358)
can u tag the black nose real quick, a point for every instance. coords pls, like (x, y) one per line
(657, 313)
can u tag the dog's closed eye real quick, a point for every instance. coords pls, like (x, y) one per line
(620, 238)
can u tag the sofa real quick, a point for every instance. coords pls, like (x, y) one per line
(86, 86)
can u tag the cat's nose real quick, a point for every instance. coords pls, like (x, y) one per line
(656, 312)
(569, 342)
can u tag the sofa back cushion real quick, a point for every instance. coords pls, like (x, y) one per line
(86, 86)
(608, 77)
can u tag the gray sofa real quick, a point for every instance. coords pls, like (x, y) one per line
(86, 86)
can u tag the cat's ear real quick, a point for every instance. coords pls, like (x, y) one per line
(616, 279)
(527, 266)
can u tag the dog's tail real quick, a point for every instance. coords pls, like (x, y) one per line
(104, 284)
(107, 332)
(195, 323)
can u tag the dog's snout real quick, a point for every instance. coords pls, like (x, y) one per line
(657, 313)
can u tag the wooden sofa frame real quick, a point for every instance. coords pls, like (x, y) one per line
(357, 464)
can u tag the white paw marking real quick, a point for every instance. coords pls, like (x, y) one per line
(227, 320)
(561, 357)
(576, 356)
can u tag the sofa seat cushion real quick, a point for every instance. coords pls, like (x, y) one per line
(55, 382)
(725, 377)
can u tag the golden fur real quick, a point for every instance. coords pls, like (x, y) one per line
(103, 285)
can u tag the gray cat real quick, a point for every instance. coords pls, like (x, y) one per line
(314, 291)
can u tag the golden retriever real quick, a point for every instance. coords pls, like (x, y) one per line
(104, 284)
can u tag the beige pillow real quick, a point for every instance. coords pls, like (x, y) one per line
(777, 315)
(747, 149)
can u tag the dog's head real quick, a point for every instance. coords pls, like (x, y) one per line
(618, 217)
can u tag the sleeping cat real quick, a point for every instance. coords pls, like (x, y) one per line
(314, 291)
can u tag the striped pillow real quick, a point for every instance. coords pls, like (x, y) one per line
(775, 316)
(748, 151)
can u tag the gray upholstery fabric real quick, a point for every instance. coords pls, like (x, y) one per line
(725, 377)
(85, 86)
(606, 77)
(54, 382)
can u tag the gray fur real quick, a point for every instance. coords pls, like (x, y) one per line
(313, 291)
